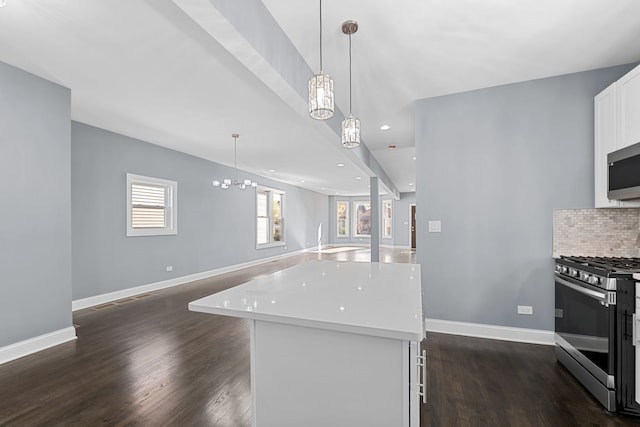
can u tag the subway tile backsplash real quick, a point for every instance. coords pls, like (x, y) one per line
(596, 232)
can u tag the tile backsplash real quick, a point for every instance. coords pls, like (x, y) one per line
(596, 232)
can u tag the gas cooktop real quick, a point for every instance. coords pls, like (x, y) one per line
(609, 264)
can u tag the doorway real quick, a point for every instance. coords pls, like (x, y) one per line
(412, 220)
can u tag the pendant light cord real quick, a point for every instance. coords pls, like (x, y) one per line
(320, 36)
(349, 73)
(235, 158)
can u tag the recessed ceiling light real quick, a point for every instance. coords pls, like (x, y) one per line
(414, 157)
(411, 184)
(272, 170)
(322, 188)
(358, 177)
(385, 127)
(340, 165)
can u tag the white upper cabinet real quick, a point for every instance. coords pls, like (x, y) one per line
(605, 142)
(616, 126)
(628, 106)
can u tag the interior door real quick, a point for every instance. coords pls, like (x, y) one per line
(413, 226)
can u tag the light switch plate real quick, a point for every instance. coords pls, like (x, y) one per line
(435, 226)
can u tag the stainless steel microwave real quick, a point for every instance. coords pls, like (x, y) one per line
(624, 173)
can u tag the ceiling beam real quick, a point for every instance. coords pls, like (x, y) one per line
(249, 32)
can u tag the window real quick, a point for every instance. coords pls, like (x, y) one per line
(362, 219)
(387, 219)
(342, 211)
(151, 206)
(269, 217)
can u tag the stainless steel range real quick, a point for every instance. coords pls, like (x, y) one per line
(594, 326)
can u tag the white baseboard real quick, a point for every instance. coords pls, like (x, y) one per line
(35, 344)
(395, 246)
(126, 293)
(365, 245)
(504, 333)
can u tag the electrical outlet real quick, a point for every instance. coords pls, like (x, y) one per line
(525, 309)
(169, 268)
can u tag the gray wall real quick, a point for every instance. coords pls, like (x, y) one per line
(216, 228)
(493, 164)
(35, 219)
(400, 234)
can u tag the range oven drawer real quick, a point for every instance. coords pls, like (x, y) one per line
(597, 327)
(585, 321)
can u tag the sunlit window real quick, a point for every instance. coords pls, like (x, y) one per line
(342, 209)
(269, 217)
(387, 219)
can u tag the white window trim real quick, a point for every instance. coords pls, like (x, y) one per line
(271, 243)
(171, 207)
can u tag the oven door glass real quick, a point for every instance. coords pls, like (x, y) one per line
(585, 321)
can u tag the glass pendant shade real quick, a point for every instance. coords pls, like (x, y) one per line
(350, 124)
(350, 132)
(321, 96)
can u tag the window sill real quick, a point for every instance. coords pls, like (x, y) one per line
(142, 233)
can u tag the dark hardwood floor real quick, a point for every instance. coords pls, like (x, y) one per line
(149, 361)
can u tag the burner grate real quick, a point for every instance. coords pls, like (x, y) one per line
(612, 264)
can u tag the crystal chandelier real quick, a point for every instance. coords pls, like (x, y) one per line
(228, 182)
(321, 89)
(350, 124)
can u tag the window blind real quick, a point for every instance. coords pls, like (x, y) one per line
(148, 206)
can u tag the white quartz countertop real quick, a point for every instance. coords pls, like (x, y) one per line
(636, 276)
(377, 299)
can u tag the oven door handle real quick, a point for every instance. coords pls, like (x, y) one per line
(600, 296)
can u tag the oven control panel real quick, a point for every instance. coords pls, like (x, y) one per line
(584, 276)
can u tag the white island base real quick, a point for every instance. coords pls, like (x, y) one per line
(316, 377)
(325, 349)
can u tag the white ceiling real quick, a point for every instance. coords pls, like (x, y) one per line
(144, 69)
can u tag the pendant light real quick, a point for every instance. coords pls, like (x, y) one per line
(228, 182)
(321, 89)
(350, 124)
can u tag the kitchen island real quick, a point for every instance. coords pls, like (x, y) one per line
(332, 343)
